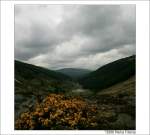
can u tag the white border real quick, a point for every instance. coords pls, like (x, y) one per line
(7, 66)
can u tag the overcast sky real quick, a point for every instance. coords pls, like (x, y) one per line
(77, 36)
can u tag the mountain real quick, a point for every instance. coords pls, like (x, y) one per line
(29, 71)
(74, 72)
(109, 74)
(30, 78)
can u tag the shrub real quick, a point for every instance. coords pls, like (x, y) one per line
(59, 112)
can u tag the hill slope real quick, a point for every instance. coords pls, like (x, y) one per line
(29, 71)
(122, 100)
(74, 73)
(126, 87)
(33, 82)
(110, 74)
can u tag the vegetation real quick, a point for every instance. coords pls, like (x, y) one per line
(32, 81)
(29, 71)
(109, 74)
(109, 109)
(46, 99)
(59, 112)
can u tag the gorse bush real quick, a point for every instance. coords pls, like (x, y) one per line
(59, 112)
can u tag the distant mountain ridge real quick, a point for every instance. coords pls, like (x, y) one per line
(74, 73)
(109, 74)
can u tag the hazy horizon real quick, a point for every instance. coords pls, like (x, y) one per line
(75, 67)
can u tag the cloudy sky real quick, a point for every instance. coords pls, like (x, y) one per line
(77, 36)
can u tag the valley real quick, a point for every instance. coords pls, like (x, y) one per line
(98, 100)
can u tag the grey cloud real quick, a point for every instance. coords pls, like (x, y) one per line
(103, 25)
(58, 36)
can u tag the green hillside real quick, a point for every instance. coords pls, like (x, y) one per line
(110, 74)
(29, 71)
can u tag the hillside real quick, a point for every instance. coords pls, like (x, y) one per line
(31, 79)
(109, 74)
(29, 71)
(126, 87)
(74, 72)
(32, 82)
(121, 100)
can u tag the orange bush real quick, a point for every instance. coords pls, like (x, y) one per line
(58, 112)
